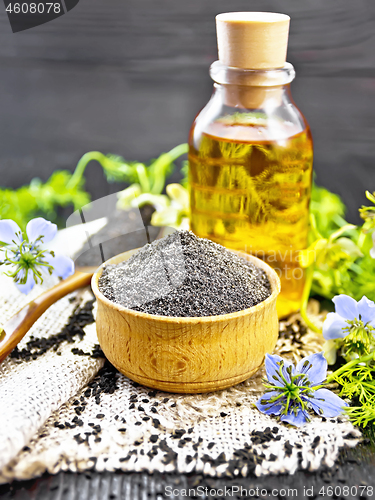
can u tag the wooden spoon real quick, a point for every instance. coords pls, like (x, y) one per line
(19, 324)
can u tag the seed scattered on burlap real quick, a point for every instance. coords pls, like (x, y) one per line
(36, 347)
(185, 276)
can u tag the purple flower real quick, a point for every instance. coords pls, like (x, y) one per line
(293, 391)
(25, 256)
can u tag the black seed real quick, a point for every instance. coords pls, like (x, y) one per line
(36, 347)
(288, 449)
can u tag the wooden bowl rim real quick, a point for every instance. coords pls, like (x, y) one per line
(271, 274)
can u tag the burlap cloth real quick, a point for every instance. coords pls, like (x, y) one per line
(64, 411)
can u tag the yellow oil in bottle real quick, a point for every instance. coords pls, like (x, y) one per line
(250, 190)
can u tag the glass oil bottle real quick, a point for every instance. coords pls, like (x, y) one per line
(250, 152)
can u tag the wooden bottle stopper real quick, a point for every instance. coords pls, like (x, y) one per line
(252, 40)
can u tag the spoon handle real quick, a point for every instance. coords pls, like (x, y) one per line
(19, 324)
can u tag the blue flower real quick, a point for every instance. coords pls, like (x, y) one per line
(293, 391)
(347, 310)
(350, 328)
(25, 256)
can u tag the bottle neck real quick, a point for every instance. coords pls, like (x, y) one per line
(252, 89)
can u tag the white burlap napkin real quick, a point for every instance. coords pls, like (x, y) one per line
(64, 411)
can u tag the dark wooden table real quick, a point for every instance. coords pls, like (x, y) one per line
(355, 468)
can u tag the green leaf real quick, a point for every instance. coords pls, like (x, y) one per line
(327, 208)
(42, 199)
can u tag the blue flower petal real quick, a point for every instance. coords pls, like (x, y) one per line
(366, 308)
(29, 285)
(62, 266)
(269, 408)
(333, 327)
(8, 230)
(345, 306)
(273, 369)
(297, 420)
(326, 403)
(315, 366)
(41, 227)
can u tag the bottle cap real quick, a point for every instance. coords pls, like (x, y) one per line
(252, 40)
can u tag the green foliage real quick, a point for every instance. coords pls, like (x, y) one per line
(40, 198)
(357, 382)
(343, 263)
(328, 210)
(185, 172)
(151, 178)
(64, 189)
(339, 262)
(368, 213)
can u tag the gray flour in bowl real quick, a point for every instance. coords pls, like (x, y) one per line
(185, 276)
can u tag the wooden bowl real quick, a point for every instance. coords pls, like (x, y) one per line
(187, 355)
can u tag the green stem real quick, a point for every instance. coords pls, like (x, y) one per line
(361, 239)
(314, 227)
(305, 299)
(178, 151)
(275, 398)
(82, 164)
(160, 164)
(341, 231)
(350, 364)
(143, 178)
(340, 221)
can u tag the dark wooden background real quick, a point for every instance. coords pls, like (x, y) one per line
(128, 77)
